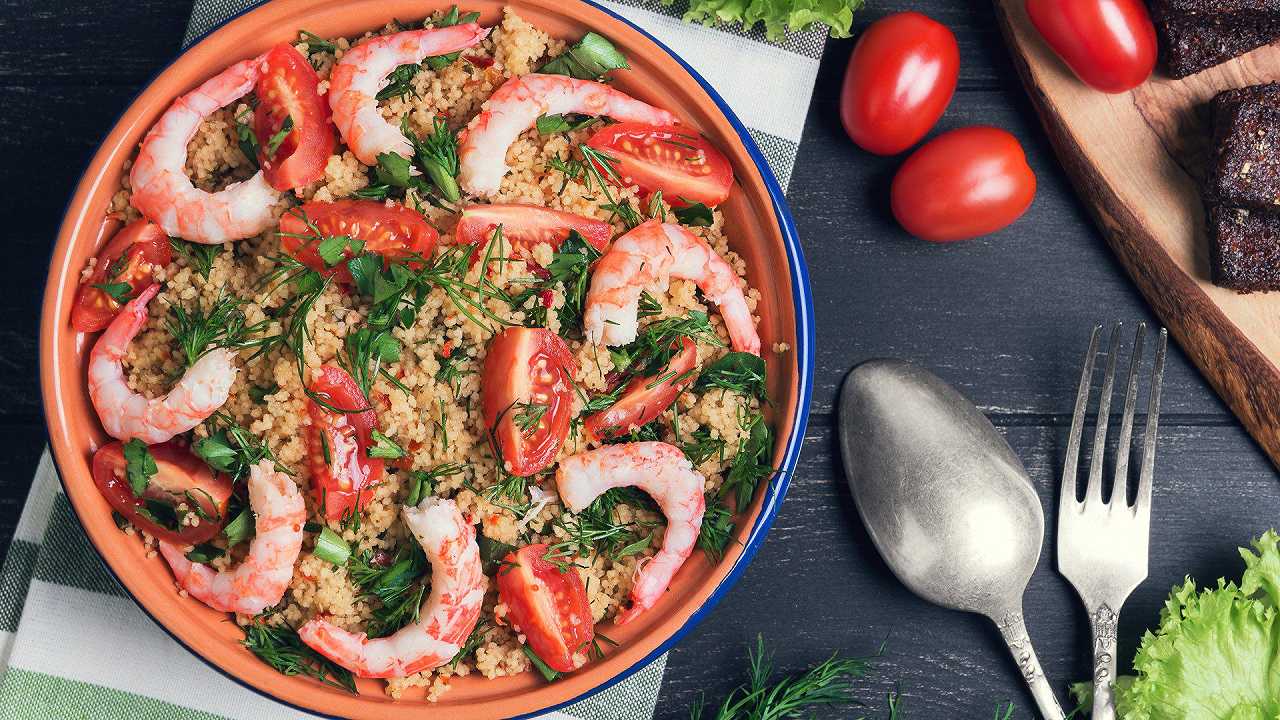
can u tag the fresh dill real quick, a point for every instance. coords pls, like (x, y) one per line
(397, 583)
(399, 82)
(315, 43)
(365, 353)
(738, 372)
(282, 649)
(223, 325)
(246, 138)
(436, 153)
(230, 448)
(451, 372)
(828, 683)
(198, 255)
(528, 416)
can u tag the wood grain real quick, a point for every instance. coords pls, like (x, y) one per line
(1135, 159)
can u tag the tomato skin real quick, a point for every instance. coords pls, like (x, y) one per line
(641, 403)
(548, 606)
(289, 88)
(527, 365)
(962, 184)
(142, 244)
(347, 480)
(178, 471)
(900, 79)
(678, 161)
(525, 226)
(1109, 44)
(390, 230)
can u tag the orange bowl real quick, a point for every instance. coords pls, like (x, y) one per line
(760, 229)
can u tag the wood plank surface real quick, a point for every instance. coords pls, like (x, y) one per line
(1004, 318)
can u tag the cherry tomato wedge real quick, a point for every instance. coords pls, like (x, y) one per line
(389, 230)
(527, 396)
(900, 79)
(1109, 44)
(548, 606)
(526, 226)
(342, 473)
(288, 92)
(127, 259)
(676, 160)
(646, 397)
(962, 184)
(180, 478)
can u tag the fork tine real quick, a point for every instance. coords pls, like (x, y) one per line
(1120, 483)
(1094, 491)
(1067, 496)
(1142, 504)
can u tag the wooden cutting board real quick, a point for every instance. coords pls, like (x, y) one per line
(1137, 159)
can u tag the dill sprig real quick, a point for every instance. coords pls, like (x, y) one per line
(223, 325)
(197, 255)
(830, 682)
(596, 530)
(308, 285)
(738, 372)
(479, 635)
(283, 650)
(436, 153)
(397, 585)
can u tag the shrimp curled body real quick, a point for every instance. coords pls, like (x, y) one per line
(648, 257)
(662, 471)
(126, 415)
(446, 619)
(163, 192)
(260, 580)
(515, 107)
(362, 72)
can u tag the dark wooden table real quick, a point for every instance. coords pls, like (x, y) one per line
(1004, 318)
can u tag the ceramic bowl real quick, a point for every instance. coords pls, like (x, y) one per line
(760, 229)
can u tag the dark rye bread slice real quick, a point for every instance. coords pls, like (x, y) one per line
(1244, 249)
(1246, 143)
(1194, 42)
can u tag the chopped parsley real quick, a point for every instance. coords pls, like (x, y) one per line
(140, 466)
(552, 124)
(118, 291)
(400, 82)
(230, 448)
(450, 18)
(695, 215)
(588, 59)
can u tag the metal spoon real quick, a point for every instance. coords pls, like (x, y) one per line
(944, 498)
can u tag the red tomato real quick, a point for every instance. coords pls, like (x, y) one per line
(288, 90)
(900, 80)
(962, 184)
(128, 258)
(525, 226)
(1109, 44)
(527, 395)
(390, 230)
(646, 397)
(180, 478)
(548, 606)
(677, 161)
(342, 473)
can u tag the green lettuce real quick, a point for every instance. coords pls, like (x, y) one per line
(777, 16)
(1216, 654)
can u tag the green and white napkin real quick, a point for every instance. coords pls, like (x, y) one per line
(74, 645)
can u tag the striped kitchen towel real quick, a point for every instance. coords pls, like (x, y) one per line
(72, 643)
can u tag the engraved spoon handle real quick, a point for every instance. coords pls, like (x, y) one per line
(1014, 631)
(1103, 619)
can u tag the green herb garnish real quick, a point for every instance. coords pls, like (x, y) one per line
(140, 466)
(384, 447)
(738, 372)
(197, 255)
(222, 326)
(547, 673)
(588, 59)
(274, 142)
(551, 124)
(330, 547)
(205, 553)
(449, 19)
(119, 291)
(695, 215)
(283, 650)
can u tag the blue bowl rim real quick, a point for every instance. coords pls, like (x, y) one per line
(804, 349)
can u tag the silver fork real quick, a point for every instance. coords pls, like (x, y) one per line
(1102, 544)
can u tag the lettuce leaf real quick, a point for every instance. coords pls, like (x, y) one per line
(1216, 654)
(777, 16)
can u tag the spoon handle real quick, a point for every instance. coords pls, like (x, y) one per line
(1014, 632)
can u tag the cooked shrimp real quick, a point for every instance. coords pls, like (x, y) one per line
(665, 473)
(514, 107)
(362, 72)
(648, 257)
(259, 581)
(125, 414)
(163, 192)
(446, 619)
